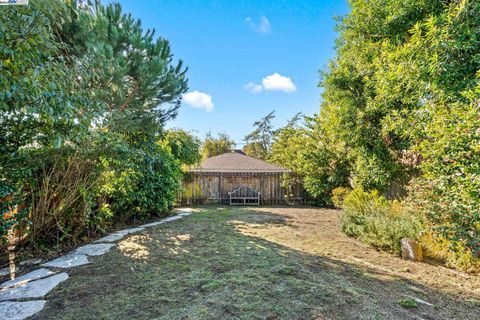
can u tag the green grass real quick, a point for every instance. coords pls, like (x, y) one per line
(408, 303)
(206, 267)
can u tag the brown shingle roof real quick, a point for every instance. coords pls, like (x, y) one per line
(236, 162)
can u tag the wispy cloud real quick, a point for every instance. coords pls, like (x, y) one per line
(263, 26)
(199, 100)
(273, 82)
(253, 87)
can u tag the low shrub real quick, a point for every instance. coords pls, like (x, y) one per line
(377, 221)
(338, 196)
(439, 249)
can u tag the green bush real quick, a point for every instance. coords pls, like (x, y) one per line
(139, 183)
(338, 196)
(377, 221)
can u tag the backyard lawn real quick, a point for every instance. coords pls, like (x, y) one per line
(258, 263)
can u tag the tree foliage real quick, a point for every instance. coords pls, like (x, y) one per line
(214, 146)
(259, 141)
(403, 96)
(399, 115)
(85, 93)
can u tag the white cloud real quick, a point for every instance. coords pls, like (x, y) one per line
(277, 82)
(262, 27)
(199, 100)
(273, 82)
(253, 87)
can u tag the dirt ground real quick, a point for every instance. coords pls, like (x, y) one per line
(258, 263)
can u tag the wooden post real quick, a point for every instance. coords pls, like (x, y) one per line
(220, 193)
(262, 187)
(194, 188)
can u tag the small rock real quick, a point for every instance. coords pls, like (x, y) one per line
(34, 289)
(411, 250)
(67, 261)
(32, 276)
(20, 310)
(4, 272)
(94, 249)
(30, 262)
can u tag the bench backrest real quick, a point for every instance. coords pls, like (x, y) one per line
(244, 192)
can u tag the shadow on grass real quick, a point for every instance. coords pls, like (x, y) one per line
(204, 267)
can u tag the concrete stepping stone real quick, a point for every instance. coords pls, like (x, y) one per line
(31, 276)
(33, 289)
(67, 261)
(20, 310)
(94, 249)
(111, 238)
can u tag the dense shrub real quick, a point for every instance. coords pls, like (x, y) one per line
(377, 221)
(338, 196)
(140, 183)
(439, 249)
(315, 154)
(400, 108)
(85, 93)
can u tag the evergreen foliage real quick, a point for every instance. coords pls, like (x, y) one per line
(85, 93)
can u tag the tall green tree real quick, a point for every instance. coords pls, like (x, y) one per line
(214, 146)
(185, 147)
(259, 141)
(400, 98)
(84, 95)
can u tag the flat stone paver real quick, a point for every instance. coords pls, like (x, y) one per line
(172, 218)
(68, 261)
(4, 272)
(20, 310)
(153, 224)
(31, 276)
(94, 249)
(184, 214)
(33, 289)
(131, 230)
(111, 238)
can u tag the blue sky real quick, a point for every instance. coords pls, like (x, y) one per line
(248, 57)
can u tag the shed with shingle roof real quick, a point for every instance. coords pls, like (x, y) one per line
(216, 177)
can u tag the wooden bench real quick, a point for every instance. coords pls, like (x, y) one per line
(244, 196)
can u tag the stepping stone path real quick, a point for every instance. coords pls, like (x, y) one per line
(38, 283)
(32, 276)
(33, 289)
(94, 249)
(68, 261)
(20, 310)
